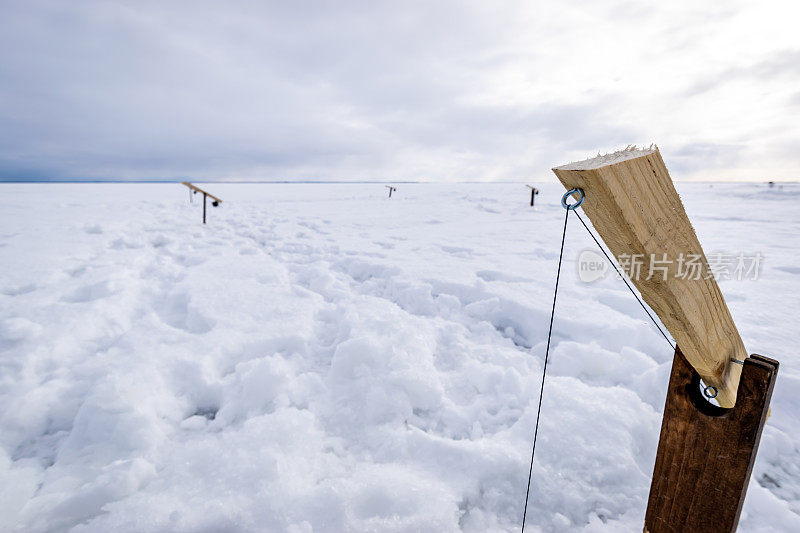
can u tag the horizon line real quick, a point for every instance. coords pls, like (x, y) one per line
(340, 182)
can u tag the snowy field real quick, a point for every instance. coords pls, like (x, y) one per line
(323, 358)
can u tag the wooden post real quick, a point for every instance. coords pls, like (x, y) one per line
(534, 192)
(633, 205)
(706, 453)
(194, 189)
(391, 189)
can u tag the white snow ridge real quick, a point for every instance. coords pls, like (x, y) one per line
(323, 358)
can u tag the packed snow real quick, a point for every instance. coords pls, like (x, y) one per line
(319, 357)
(612, 158)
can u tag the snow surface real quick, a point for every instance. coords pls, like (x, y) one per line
(611, 158)
(323, 358)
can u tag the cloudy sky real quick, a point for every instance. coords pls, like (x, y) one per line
(461, 90)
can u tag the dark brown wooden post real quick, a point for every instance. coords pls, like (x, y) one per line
(534, 192)
(204, 208)
(706, 453)
(391, 189)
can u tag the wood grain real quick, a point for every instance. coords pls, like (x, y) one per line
(706, 453)
(633, 205)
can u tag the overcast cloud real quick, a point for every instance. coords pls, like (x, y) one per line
(394, 90)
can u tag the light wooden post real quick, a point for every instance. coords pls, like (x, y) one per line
(633, 205)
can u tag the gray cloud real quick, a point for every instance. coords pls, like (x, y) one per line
(782, 64)
(345, 90)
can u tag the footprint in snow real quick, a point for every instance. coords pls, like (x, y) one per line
(189, 260)
(90, 292)
(176, 311)
(77, 272)
(123, 243)
(493, 275)
(159, 241)
(789, 269)
(17, 290)
(312, 227)
(487, 209)
(455, 250)
(93, 229)
(16, 329)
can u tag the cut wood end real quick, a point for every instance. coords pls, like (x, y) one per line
(604, 160)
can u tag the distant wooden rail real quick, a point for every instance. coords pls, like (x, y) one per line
(193, 189)
(198, 189)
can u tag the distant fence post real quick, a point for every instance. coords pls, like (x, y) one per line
(194, 189)
(391, 189)
(534, 192)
